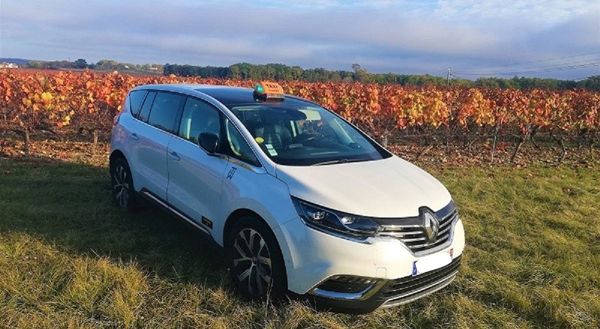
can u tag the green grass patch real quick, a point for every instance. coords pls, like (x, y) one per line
(69, 258)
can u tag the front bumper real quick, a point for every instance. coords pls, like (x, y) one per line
(313, 257)
(396, 292)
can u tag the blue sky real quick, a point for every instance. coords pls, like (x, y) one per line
(558, 38)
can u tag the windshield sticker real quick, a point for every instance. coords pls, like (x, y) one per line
(269, 146)
(272, 152)
(259, 140)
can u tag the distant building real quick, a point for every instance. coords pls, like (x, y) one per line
(5, 65)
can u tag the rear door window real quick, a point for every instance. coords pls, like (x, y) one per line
(165, 109)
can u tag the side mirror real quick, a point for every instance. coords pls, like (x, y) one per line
(209, 142)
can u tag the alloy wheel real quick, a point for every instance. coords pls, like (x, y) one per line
(252, 262)
(121, 186)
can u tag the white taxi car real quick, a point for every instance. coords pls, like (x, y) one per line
(300, 199)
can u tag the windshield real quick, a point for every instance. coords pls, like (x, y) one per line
(300, 133)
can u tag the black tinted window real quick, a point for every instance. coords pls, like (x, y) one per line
(164, 110)
(146, 107)
(135, 101)
(199, 117)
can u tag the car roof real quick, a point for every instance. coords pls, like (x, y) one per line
(226, 95)
(229, 96)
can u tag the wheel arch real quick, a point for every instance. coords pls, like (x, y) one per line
(236, 216)
(116, 154)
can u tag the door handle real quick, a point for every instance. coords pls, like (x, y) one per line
(134, 136)
(174, 156)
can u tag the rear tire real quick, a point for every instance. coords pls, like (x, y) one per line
(123, 192)
(256, 264)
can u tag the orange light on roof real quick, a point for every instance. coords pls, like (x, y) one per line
(268, 90)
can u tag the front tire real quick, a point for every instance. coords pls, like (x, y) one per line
(122, 185)
(255, 260)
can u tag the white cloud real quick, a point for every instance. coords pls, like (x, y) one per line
(520, 10)
(382, 35)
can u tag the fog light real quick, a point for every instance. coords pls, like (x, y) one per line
(347, 284)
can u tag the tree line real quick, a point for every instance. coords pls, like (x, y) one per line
(281, 72)
(101, 65)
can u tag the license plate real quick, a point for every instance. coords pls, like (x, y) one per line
(431, 262)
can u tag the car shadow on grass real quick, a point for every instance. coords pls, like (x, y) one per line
(70, 205)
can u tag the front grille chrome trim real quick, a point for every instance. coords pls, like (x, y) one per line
(407, 289)
(425, 291)
(413, 236)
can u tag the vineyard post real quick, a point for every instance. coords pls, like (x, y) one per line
(385, 138)
(593, 140)
(95, 143)
(27, 141)
(496, 131)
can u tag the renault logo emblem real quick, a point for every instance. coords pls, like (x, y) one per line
(431, 225)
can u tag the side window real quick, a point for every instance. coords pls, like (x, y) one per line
(135, 101)
(199, 117)
(164, 110)
(238, 148)
(145, 112)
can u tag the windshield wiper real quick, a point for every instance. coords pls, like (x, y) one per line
(338, 161)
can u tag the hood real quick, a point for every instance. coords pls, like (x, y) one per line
(387, 188)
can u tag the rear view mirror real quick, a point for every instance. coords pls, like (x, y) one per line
(209, 142)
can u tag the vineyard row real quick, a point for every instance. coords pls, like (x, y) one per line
(34, 101)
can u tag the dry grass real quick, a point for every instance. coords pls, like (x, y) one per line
(68, 258)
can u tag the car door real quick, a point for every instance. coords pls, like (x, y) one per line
(152, 139)
(195, 177)
(245, 178)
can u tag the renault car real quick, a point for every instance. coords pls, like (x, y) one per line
(300, 199)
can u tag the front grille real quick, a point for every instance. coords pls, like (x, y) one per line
(412, 287)
(410, 231)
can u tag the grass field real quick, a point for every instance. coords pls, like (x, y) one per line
(69, 258)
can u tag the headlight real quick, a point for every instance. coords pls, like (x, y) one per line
(334, 221)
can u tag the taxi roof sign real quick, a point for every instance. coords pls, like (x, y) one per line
(268, 90)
